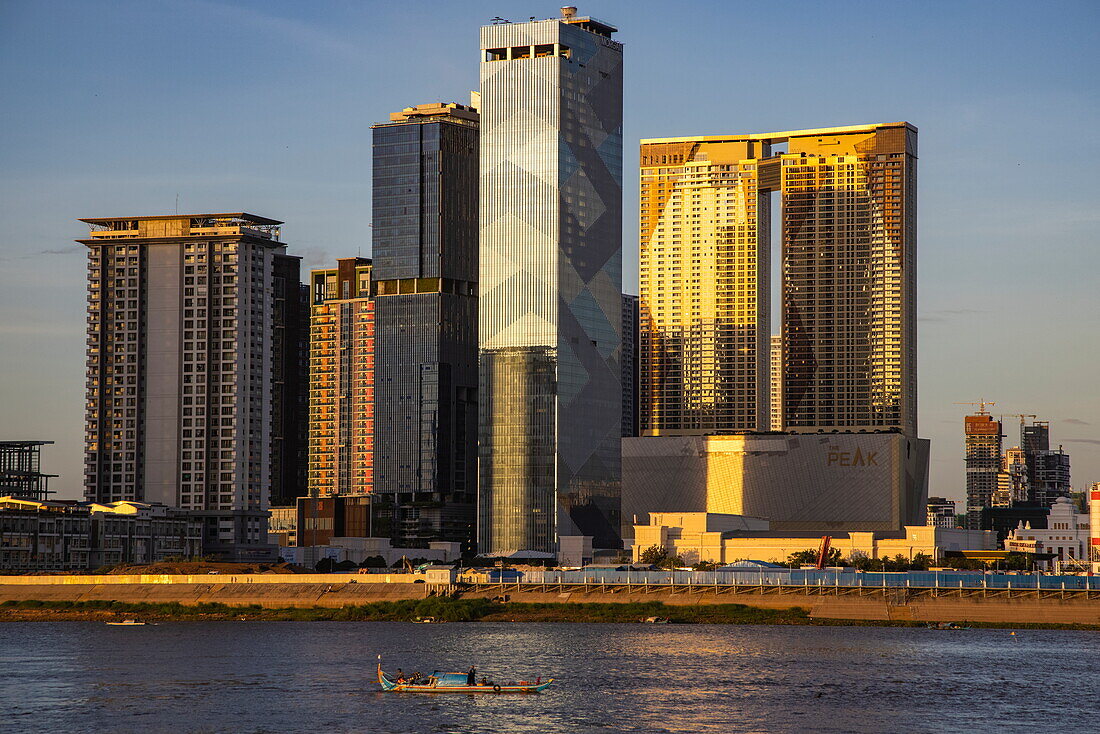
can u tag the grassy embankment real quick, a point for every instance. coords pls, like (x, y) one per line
(451, 610)
(441, 608)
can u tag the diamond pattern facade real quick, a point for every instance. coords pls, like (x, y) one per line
(550, 315)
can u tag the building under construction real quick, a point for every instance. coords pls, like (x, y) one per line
(20, 470)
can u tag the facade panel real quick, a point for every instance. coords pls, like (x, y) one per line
(829, 483)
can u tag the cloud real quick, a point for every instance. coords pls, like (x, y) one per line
(1076, 422)
(1093, 441)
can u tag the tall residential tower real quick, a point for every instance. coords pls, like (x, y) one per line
(848, 198)
(182, 401)
(341, 380)
(425, 285)
(550, 285)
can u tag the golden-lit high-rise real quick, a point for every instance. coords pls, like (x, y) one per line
(848, 198)
(341, 380)
(703, 287)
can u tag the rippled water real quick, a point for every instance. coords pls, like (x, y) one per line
(319, 677)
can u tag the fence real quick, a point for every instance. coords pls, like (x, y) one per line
(808, 577)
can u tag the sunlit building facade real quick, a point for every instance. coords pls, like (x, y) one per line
(550, 283)
(341, 380)
(848, 198)
(775, 369)
(704, 287)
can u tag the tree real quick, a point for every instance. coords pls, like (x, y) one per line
(373, 562)
(704, 566)
(809, 557)
(921, 562)
(654, 555)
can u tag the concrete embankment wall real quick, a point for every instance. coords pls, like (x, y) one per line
(336, 590)
(268, 594)
(873, 607)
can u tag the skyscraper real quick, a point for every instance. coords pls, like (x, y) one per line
(290, 382)
(550, 284)
(704, 285)
(341, 380)
(181, 353)
(848, 197)
(983, 464)
(425, 275)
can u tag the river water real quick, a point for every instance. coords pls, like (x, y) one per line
(319, 677)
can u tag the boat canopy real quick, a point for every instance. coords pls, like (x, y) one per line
(450, 679)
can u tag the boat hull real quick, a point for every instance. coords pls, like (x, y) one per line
(389, 685)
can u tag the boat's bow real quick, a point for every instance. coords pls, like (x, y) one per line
(386, 683)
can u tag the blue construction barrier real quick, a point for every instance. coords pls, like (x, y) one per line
(813, 577)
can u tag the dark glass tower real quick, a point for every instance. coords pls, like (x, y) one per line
(425, 284)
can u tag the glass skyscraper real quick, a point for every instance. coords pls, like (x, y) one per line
(425, 322)
(550, 314)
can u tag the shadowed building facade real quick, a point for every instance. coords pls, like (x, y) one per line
(550, 284)
(185, 405)
(425, 220)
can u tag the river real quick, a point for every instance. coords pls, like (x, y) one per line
(319, 677)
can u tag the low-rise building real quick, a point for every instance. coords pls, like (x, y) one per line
(1067, 535)
(282, 526)
(43, 536)
(723, 539)
(76, 536)
(357, 550)
(941, 512)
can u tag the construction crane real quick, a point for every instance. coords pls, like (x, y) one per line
(1021, 416)
(981, 403)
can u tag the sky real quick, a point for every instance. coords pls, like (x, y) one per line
(118, 108)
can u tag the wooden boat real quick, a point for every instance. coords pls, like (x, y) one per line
(946, 626)
(440, 682)
(127, 623)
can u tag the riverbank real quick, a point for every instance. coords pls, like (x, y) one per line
(446, 609)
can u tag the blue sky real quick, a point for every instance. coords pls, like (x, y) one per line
(114, 108)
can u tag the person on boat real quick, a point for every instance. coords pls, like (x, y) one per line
(416, 678)
(484, 681)
(400, 676)
(471, 676)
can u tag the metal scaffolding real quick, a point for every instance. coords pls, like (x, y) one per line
(20, 475)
